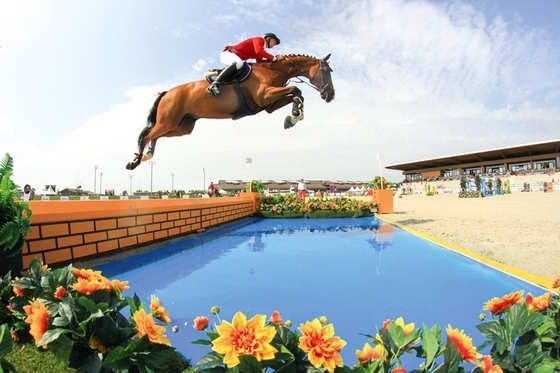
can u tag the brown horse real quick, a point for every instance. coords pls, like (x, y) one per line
(176, 111)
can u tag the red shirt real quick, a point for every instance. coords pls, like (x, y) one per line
(251, 48)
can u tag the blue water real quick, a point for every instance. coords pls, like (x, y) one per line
(357, 272)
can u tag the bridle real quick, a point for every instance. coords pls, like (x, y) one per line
(323, 65)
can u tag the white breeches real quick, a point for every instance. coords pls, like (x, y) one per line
(228, 58)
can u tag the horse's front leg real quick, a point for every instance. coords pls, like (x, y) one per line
(279, 97)
(297, 113)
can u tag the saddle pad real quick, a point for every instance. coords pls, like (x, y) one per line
(240, 76)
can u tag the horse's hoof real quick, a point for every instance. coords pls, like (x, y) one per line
(288, 123)
(130, 166)
(146, 157)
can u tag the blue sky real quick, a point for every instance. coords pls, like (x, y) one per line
(414, 80)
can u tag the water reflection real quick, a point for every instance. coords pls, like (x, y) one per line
(381, 238)
(255, 244)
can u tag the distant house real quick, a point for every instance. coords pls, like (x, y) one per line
(74, 192)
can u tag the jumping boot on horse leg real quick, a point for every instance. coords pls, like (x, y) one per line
(227, 72)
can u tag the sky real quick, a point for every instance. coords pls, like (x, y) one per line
(414, 80)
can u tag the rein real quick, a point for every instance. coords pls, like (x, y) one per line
(299, 80)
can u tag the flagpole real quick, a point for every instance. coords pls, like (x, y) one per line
(250, 161)
(380, 172)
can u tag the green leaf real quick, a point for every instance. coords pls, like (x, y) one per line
(62, 348)
(210, 360)
(202, 342)
(496, 334)
(92, 363)
(527, 347)
(60, 321)
(430, 342)
(6, 343)
(249, 364)
(116, 355)
(52, 335)
(88, 304)
(452, 358)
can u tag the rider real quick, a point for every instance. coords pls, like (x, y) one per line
(233, 57)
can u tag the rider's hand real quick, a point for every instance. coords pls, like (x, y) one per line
(279, 57)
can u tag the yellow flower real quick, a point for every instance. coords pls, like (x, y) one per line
(242, 337)
(370, 353)
(320, 344)
(145, 324)
(464, 345)
(158, 311)
(37, 318)
(86, 273)
(215, 310)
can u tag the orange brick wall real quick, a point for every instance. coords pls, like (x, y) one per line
(63, 231)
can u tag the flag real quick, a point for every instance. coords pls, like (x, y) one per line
(377, 156)
(249, 160)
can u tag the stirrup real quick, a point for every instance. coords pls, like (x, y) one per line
(213, 89)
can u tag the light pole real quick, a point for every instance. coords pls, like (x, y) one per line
(172, 182)
(95, 178)
(204, 181)
(100, 182)
(152, 163)
(130, 176)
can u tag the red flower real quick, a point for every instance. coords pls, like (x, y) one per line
(538, 304)
(276, 318)
(200, 323)
(488, 365)
(59, 292)
(497, 306)
(464, 344)
(399, 370)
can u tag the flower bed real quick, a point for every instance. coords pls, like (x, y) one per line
(289, 206)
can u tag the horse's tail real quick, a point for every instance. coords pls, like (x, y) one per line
(151, 120)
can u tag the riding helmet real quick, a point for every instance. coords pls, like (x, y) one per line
(272, 35)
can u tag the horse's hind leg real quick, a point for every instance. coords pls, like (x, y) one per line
(151, 151)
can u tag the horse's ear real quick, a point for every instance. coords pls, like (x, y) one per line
(327, 58)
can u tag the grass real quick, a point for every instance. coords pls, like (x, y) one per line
(27, 358)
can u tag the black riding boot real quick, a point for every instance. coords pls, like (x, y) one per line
(227, 72)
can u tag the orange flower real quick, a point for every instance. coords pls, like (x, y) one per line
(464, 344)
(243, 337)
(121, 285)
(86, 273)
(158, 311)
(399, 370)
(145, 324)
(97, 345)
(200, 323)
(538, 304)
(18, 291)
(370, 354)
(556, 283)
(37, 318)
(88, 287)
(499, 305)
(407, 329)
(488, 365)
(59, 292)
(276, 318)
(320, 344)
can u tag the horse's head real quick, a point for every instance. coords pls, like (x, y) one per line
(320, 77)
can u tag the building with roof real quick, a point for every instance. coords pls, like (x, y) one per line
(539, 157)
(283, 186)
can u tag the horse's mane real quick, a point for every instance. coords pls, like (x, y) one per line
(287, 55)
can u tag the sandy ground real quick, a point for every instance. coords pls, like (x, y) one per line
(521, 230)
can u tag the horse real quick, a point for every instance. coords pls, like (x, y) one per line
(175, 112)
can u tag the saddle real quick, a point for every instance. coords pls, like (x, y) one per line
(239, 76)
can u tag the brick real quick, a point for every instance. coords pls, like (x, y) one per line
(178, 223)
(126, 222)
(69, 241)
(34, 233)
(94, 237)
(160, 234)
(117, 233)
(28, 258)
(54, 230)
(185, 214)
(136, 230)
(144, 219)
(195, 213)
(173, 216)
(81, 227)
(127, 241)
(153, 227)
(105, 224)
(42, 245)
(158, 218)
(147, 237)
(57, 256)
(107, 246)
(84, 250)
(166, 225)
(174, 231)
